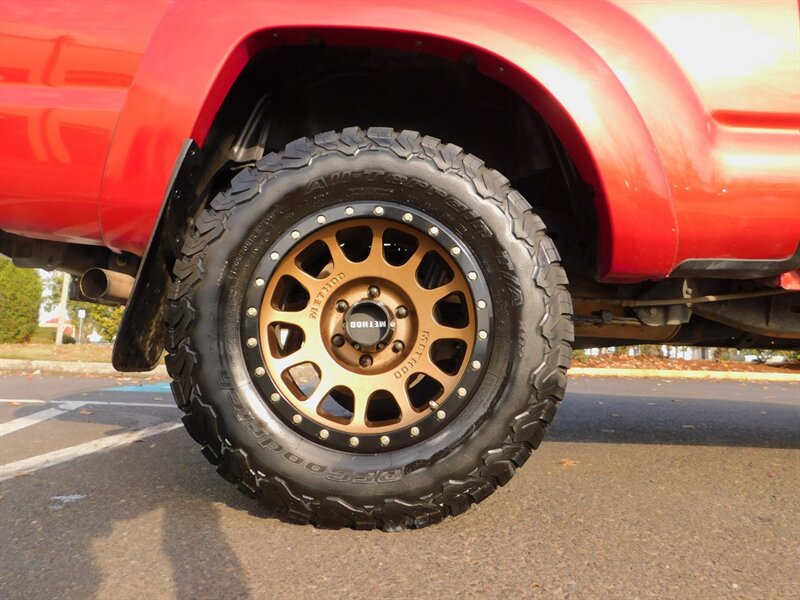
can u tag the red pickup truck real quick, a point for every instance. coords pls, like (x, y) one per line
(331, 215)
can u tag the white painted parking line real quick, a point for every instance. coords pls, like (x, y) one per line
(57, 457)
(23, 401)
(103, 403)
(72, 404)
(33, 419)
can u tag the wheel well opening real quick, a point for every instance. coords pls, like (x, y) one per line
(288, 92)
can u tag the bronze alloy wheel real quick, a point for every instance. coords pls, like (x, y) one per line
(366, 326)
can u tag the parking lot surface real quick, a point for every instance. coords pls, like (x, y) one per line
(643, 489)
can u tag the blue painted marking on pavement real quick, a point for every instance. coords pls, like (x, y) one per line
(148, 388)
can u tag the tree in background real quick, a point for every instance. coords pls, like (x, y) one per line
(105, 319)
(20, 297)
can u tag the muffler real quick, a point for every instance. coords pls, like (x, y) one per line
(102, 285)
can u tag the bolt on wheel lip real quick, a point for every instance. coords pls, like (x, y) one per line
(436, 419)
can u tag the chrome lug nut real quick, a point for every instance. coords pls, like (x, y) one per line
(401, 312)
(338, 340)
(398, 347)
(365, 361)
(373, 291)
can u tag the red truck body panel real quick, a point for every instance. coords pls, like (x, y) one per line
(684, 117)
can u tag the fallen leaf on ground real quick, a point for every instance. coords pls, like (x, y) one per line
(85, 411)
(14, 403)
(568, 463)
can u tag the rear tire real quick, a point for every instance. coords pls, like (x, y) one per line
(243, 411)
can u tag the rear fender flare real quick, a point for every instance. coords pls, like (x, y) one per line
(182, 82)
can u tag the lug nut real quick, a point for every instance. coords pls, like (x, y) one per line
(373, 291)
(365, 361)
(341, 305)
(338, 340)
(398, 347)
(401, 312)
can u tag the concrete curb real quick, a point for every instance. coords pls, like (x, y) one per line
(75, 367)
(95, 368)
(676, 374)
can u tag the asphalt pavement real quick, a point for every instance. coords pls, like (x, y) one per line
(642, 489)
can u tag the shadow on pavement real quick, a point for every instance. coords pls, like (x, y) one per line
(586, 417)
(163, 495)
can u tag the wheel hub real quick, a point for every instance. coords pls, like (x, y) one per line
(370, 328)
(368, 325)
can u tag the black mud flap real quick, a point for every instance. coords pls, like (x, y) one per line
(140, 340)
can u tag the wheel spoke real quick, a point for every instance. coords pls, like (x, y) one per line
(430, 368)
(340, 261)
(318, 395)
(290, 317)
(360, 403)
(375, 263)
(436, 294)
(400, 393)
(443, 332)
(292, 360)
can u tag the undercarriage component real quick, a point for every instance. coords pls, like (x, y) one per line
(102, 285)
(776, 316)
(687, 311)
(74, 259)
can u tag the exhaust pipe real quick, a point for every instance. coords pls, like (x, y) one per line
(102, 285)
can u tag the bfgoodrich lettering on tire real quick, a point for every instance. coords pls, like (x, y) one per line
(368, 329)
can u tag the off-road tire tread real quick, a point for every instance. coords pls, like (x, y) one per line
(525, 431)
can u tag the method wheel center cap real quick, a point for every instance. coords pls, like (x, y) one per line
(368, 324)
